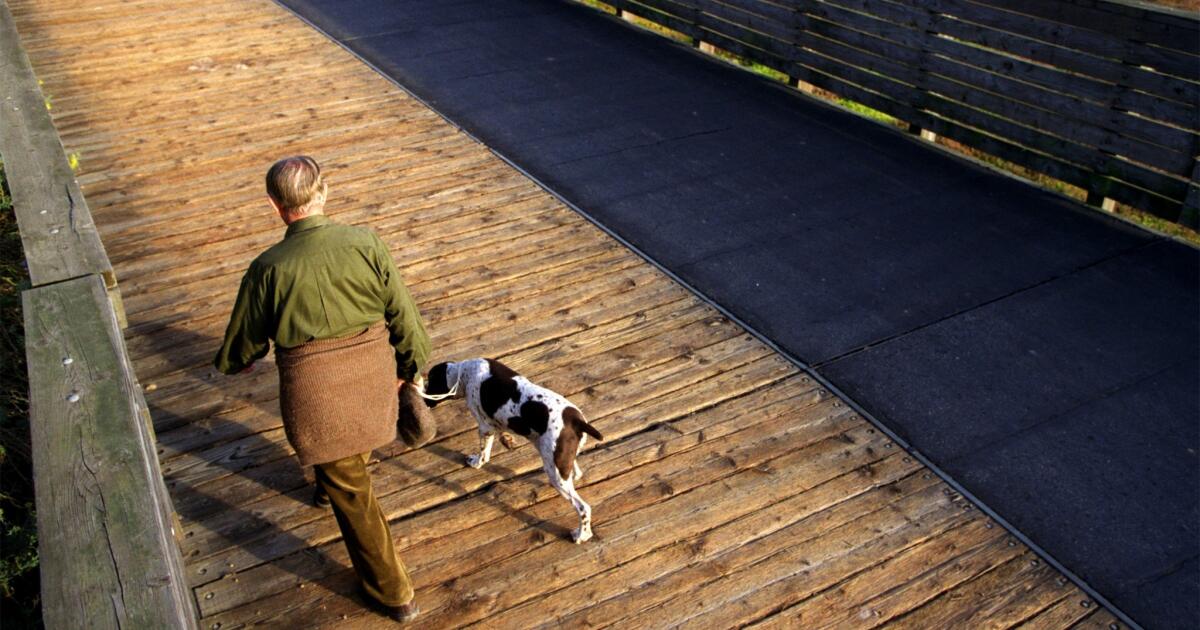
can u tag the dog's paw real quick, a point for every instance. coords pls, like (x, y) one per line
(474, 461)
(581, 535)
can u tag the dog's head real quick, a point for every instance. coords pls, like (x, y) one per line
(438, 382)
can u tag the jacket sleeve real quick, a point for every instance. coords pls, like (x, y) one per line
(247, 337)
(404, 322)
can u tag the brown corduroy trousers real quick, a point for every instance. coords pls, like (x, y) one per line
(365, 529)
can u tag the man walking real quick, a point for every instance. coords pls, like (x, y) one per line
(347, 334)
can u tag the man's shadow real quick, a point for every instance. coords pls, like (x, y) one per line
(269, 464)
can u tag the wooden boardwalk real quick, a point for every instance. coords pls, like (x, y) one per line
(730, 490)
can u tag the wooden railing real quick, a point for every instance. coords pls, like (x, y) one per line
(106, 544)
(1101, 94)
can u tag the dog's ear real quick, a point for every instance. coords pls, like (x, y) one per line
(436, 383)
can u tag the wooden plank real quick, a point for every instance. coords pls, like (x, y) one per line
(454, 432)
(1099, 619)
(1020, 45)
(1119, 97)
(107, 551)
(963, 104)
(745, 489)
(664, 13)
(1003, 595)
(738, 47)
(677, 376)
(1190, 213)
(57, 231)
(1143, 22)
(975, 555)
(827, 74)
(663, 317)
(800, 565)
(607, 597)
(1099, 161)
(205, 393)
(1093, 124)
(766, 42)
(776, 11)
(780, 30)
(1062, 614)
(849, 599)
(1111, 70)
(282, 477)
(197, 467)
(445, 544)
(1097, 124)
(196, 350)
(421, 263)
(1064, 35)
(198, 394)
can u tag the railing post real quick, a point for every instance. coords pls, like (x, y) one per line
(1189, 214)
(926, 25)
(801, 24)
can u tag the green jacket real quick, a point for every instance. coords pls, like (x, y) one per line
(322, 281)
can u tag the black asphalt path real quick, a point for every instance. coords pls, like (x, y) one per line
(1044, 355)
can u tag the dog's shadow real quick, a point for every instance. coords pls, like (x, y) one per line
(485, 493)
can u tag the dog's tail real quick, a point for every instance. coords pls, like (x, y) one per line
(583, 425)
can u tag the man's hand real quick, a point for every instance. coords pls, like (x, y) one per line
(418, 382)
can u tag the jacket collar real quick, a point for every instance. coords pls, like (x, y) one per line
(307, 223)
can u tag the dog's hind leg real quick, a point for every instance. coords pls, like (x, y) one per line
(578, 471)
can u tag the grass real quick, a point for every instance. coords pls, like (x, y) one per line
(19, 591)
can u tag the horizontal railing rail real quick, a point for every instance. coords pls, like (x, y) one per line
(1100, 94)
(106, 536)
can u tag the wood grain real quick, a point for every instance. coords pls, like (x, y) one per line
(725, 471)
(105, 536)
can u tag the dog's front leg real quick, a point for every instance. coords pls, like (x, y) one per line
(486, 437)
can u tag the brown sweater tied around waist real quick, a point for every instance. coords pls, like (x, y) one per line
(338, 396)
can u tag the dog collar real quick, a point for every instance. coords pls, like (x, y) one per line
(452, 392)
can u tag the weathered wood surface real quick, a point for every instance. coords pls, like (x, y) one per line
(1100, 94)
(57, 231)
(730, 488)
(107, 551)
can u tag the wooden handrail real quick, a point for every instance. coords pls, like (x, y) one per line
(106, 541)
(106, 534)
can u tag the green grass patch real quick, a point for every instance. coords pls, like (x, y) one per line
(607, 8)
(19, 589)
(753, 66)
(867, 112)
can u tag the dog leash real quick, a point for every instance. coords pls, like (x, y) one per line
(436, 397)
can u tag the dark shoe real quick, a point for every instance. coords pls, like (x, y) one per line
(401, 614)
(321, 499)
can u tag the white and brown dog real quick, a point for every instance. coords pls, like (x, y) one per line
(502, 400)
